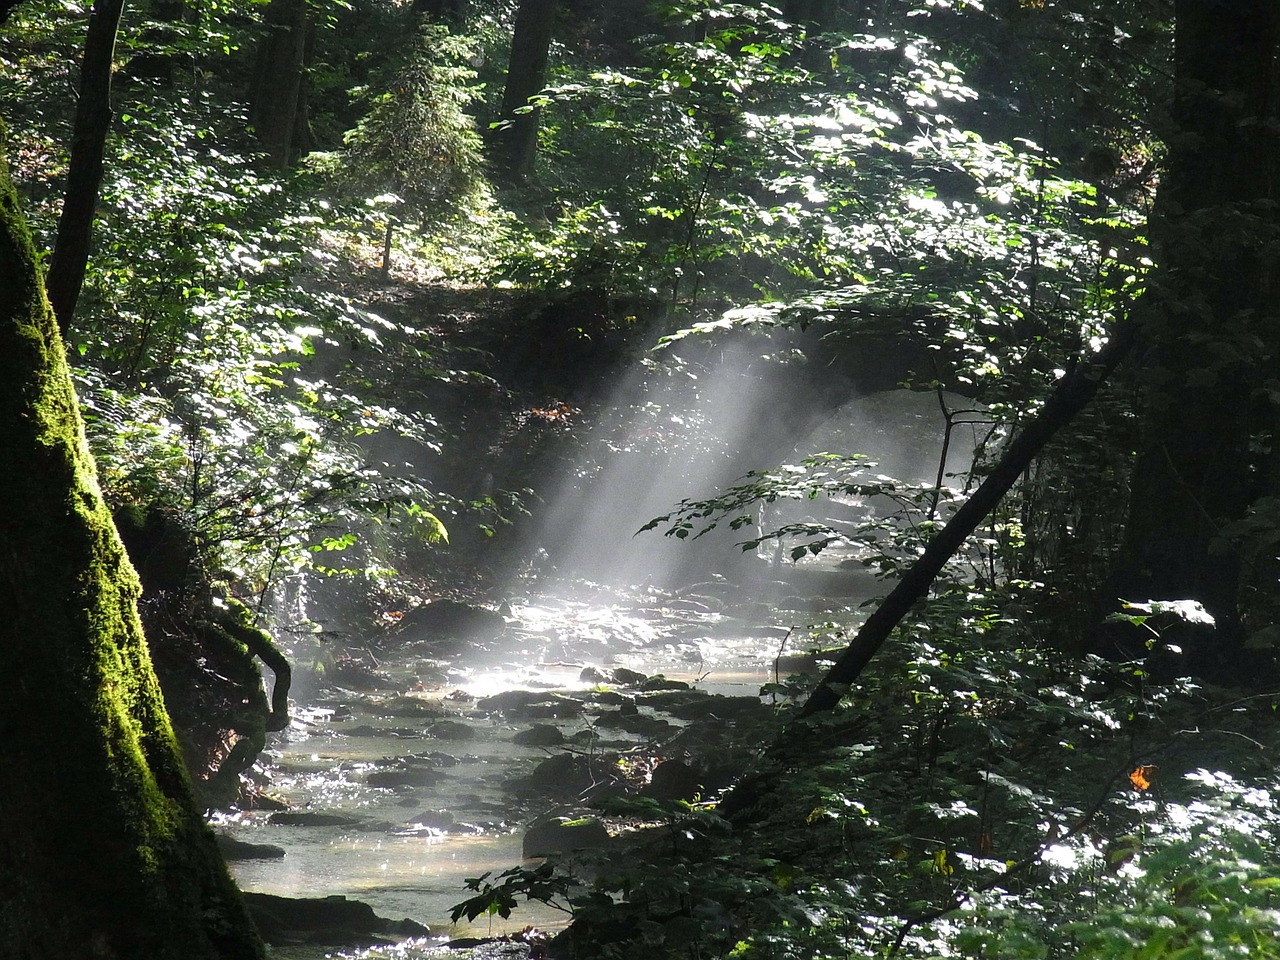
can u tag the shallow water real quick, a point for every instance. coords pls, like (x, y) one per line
(409, 848)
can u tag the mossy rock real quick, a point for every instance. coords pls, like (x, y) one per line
(560, 836)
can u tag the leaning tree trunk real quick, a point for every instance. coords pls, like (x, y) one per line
(103, 853)
(1214, 337)
(526, 76)
(1071, 395)
(84, 174)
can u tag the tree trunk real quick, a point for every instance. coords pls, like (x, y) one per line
(84, 174)
(442, 11)
(1212, 341)
(104, 854)
(526, 76)
(814, 14)
(1071, 395)
(278, 81)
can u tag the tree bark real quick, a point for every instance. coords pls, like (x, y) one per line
(105, 854)
(277, 93)
(526, 76)
(84, 174)
(1214, 335)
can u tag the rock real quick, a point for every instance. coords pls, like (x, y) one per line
(699, 705)
(303, 818)
(434, 820)
(421, 777)
(561, 836)
(333, 921)
(563, 775)
(673, 780)
(451, 730)
(407, 707)
(539, 735)
(628, 678)
(555, 708)
(640, 724)
(592, 675)
(530, 703)
(233, 849)
(450, 620)
(659, 682)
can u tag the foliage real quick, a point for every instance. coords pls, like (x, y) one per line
(195, 342)
(416, 141)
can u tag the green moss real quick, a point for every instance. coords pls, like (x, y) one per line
(106, 854)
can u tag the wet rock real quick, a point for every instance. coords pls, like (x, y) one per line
(640, 724)
(451, 730)
(556, 708)
(539, 735)
(592, 675)
(304, 818)
(407, 707)
(560, 836)
(233, 849)
(439, 759)
(673, 780)
(563, 775)
(659, 682)
(699, 705)
(368, 730)
(393, 779)
(450, 620)
(333, 921)
(628, 678)
(434, 820)
(609, 698)
(533, 704)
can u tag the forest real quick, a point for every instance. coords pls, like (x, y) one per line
(639, 479)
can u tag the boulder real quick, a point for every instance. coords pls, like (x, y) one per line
(539, 735)
(305, 818)
(333, 921)
(450, 620)
(233, 849)
(560, 836)
(451, 730)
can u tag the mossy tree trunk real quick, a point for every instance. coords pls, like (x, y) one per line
(103, 853)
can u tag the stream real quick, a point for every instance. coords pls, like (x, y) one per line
(397, 768)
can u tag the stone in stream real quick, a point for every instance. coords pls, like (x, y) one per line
(640, 724)
(539, 735)
(233, 849)
(560, 836)
(305, 818)
(406, 777)
(530, 703)
(451, 730)
(564, 775)
(659, 682)
(333, 921)
(628, 678)
(434, 820)
(450, 620)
